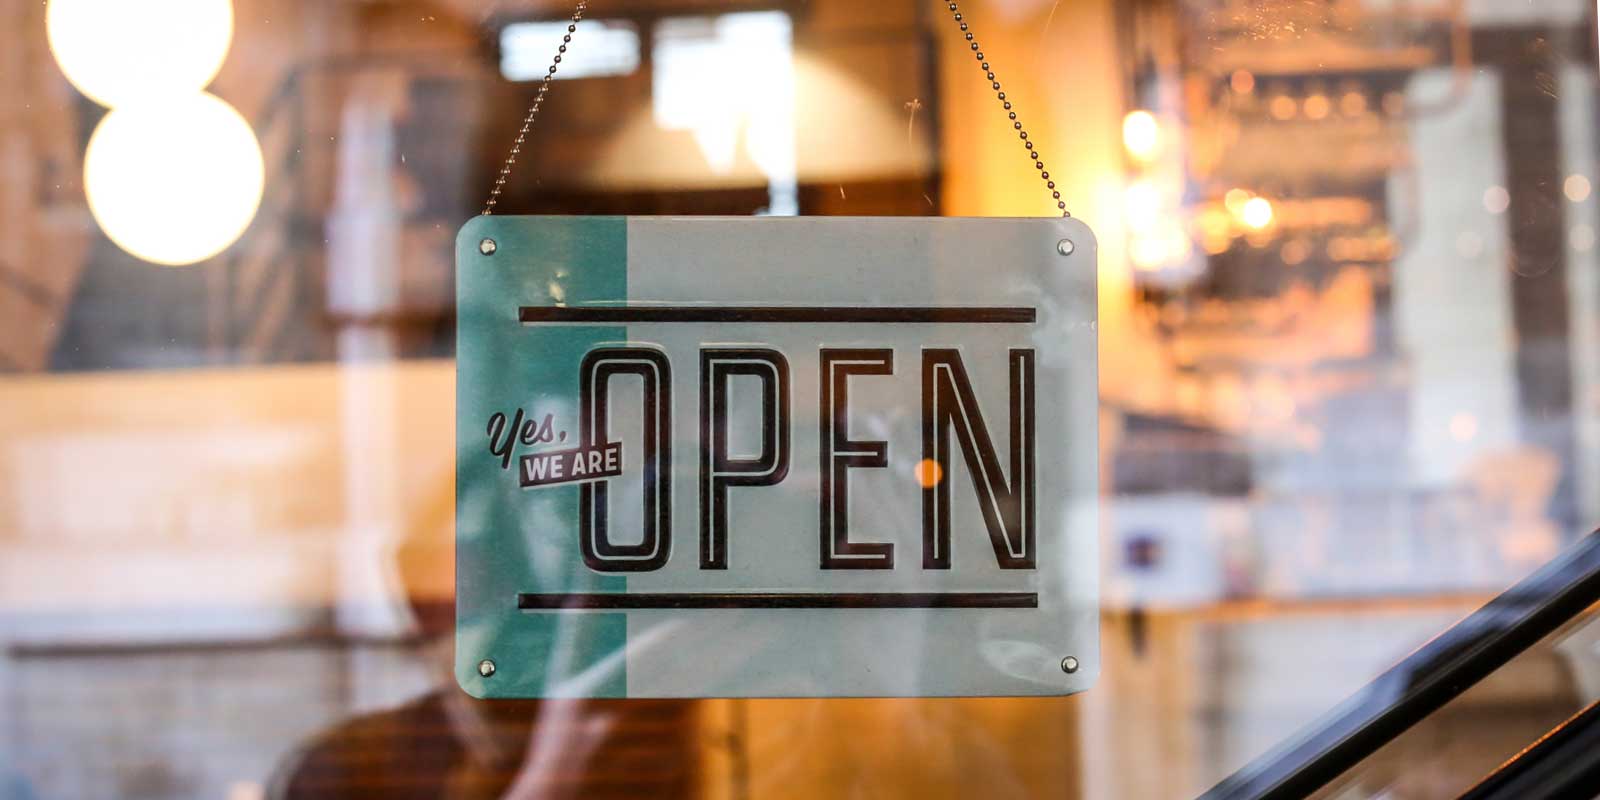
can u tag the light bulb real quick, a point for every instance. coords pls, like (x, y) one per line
(1257, 213)
(174, 179)
(1141, 135)
(119, 51)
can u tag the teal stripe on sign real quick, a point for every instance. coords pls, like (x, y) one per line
(511, 540)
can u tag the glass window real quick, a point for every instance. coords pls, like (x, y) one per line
(1349, 343)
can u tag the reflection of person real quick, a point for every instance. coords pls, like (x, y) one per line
(447, 744)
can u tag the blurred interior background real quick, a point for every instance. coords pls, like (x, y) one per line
(1350, 327)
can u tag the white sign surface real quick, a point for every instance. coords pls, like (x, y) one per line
(707, 457)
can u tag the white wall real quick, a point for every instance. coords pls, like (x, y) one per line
(1581, 156)
(1452, 301)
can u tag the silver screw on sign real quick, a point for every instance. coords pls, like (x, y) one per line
(1065, 247)
(487, 247)
(486, 668)
(1069, 664)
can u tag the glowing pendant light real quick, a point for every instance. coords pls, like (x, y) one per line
(173, 175)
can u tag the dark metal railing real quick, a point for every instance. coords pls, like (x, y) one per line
(1565, 763)
(1425, 681)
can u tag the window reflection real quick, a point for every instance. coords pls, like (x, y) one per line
(609, 48)
(1350, 380)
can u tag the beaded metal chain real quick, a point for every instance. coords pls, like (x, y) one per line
(533, 110)
(572, 27)
(1033, 152)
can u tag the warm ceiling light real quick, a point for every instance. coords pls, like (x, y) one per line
(174, 180)
(1141, 134)
(117, 51)
(1283, 107)
(1317, 107)
(1257, 213)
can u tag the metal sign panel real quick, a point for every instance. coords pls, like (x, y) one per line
(712, 457)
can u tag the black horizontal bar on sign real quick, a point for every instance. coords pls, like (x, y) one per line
(988, 315)
(772, 600)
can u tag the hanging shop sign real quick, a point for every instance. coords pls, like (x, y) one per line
(776, 457)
